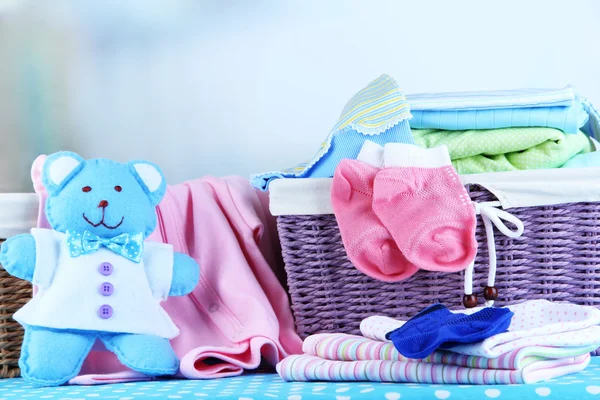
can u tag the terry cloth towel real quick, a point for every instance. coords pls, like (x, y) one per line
(310, 368)
(492, 99)
(566, 118)
(344, 347)
(378, 112)
(508, 149)
(534, 323)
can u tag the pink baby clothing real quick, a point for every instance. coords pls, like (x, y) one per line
(534, 323)
(239, 313)
(418, 196)
(368, 243)
(311, 368)
(412, 213)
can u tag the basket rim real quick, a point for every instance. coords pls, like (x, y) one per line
(531, 188)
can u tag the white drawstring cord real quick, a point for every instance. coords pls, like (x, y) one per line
(490, 214)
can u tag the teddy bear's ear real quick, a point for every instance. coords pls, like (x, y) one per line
(151, 179)
(59, 168)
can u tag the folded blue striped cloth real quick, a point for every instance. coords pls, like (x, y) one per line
(551, 108)
(492, 99)
(378, 112)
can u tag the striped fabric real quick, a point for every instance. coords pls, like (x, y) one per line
(310, 368)
(371, 111)
(343, 347)
(551, 108)
(378, 111)
(521, 98)
(545, 340)
(374, 109)
(567, 119)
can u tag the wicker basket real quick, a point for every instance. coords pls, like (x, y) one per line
(557, 258)
(14, 293)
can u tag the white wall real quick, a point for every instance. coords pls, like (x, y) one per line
(209, 88)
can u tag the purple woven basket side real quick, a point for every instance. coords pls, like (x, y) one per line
(557, 258)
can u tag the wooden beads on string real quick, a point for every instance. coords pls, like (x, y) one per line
(490, 293)
(470, 300)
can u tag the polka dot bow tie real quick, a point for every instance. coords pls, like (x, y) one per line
(126, 245)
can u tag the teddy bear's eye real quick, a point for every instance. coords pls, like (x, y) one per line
(118, 188)
(86, 189)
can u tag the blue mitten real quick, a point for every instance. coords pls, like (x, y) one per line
(436, 327)
(98, 278)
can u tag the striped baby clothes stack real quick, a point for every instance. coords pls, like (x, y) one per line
(533, 349)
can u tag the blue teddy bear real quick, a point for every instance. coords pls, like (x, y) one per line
(97, 278)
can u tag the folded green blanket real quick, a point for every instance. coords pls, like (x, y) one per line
(508, 149)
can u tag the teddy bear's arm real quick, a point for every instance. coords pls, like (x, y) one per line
(17, 256)
(186, 273)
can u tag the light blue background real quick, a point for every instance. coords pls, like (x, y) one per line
(234, 87)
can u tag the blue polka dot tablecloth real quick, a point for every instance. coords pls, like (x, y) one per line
(579, 386)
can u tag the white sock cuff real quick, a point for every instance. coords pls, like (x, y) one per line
(371, 153)
(409, 155)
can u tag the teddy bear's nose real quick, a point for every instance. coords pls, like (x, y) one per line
(103, 203)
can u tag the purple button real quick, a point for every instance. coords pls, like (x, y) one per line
(106, 289)
(105, 311)
(105, 268)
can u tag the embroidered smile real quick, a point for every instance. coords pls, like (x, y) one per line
(102, 222)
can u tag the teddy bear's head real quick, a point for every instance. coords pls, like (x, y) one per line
(101, 196)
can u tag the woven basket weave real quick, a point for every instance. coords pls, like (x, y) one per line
(557, 258)
(14, 293)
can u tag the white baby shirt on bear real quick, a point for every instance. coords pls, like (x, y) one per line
(100, 291)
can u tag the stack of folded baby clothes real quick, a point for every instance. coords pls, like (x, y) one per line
(504, 130)
(523, 343)
(489, 131)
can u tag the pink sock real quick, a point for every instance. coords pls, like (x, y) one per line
(368, 243)
(419, 198)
